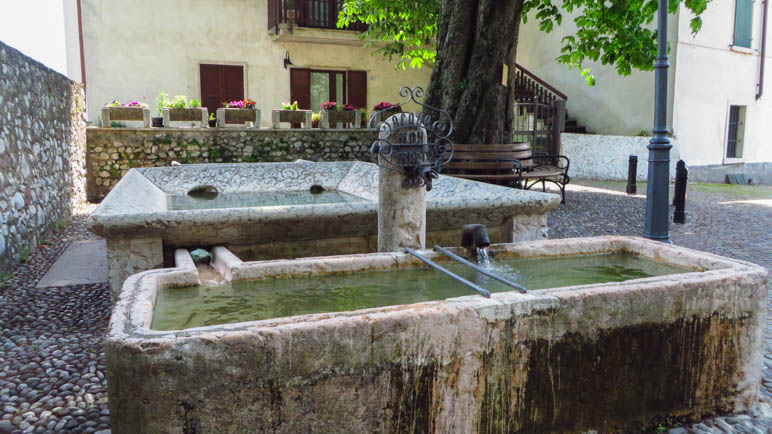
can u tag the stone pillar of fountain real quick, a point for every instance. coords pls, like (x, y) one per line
(401, 213)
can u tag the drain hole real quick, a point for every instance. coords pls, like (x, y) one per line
(203, 192)
(317, 189)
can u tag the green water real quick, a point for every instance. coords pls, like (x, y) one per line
(253, 199)
(180, 308)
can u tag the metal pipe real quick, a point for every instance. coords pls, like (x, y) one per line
(80, 43)
(760, 90)
(484, 292)
(479, 269)
(657, 188)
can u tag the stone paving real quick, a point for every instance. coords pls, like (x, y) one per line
(52, 363)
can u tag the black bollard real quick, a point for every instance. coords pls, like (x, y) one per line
(679, 198)
(632, 170)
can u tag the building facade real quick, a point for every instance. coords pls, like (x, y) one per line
(221, 50)
(718, 110)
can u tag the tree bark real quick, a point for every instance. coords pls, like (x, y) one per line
(475, 39)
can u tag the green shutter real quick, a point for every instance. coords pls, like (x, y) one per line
(743, 23)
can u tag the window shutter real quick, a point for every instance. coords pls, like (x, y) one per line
(219, 84)
(300, 87)
(233, 84)
(357, 88)
(210, 86)
(743, 23)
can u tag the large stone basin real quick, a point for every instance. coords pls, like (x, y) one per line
(137, 220)
(611, 357)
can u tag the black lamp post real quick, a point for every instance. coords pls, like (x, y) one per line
(657, 191)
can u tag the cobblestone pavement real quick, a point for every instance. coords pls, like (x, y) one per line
(52, 363)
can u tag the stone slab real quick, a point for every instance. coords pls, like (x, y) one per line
(82, 263)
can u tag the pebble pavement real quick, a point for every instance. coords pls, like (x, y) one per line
(52, 363)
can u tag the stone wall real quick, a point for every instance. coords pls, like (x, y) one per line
(113, 151)
(42, 152)
(595, 156)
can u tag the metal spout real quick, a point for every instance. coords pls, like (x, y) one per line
(427, 173)
(474, 237)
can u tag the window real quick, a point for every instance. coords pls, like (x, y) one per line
(743, 23)
(219, 84)
(736, 133)
(311, 87)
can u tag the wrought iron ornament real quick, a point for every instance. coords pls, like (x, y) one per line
(417, 144)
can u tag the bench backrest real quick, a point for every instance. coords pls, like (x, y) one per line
(490, 157)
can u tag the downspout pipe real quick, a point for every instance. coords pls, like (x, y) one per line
(80, 41)
(760, 89)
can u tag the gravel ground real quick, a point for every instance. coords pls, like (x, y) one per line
(52, 363)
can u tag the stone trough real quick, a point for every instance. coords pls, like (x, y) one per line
(142, 217)
(608, 357)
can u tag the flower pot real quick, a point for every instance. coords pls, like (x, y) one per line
(212, 123)
(158, 121)
(110, 114)
(291, 116)
(336, 119)
(381, 116)
(187, 114)
(238, 116)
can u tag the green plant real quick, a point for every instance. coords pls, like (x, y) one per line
(60, 226)
(195, 103)
(162, 102)
(316, 117)
(5, 279)
(211, 116)
(115, 124)
(45, 242)
(644, 133)
(179, 101)
(287, 106)
(24, 254)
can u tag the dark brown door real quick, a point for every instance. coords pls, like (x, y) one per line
(221, 84)
(357, 88)
(300, 87)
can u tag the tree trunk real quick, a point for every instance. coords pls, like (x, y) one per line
(474, 40)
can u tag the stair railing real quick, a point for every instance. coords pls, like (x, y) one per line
(540, 112)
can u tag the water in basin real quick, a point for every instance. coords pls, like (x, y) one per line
(180, 308)
(255, 199)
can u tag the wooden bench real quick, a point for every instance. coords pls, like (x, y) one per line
(512, 164)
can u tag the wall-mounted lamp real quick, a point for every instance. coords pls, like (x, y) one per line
(287, 60)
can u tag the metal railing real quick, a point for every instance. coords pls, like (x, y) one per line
(540, 112)
(320, 14)
(540, 125)
(529, 87)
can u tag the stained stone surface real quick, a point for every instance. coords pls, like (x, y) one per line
(614, 357)
(401, 213)
(137, 207)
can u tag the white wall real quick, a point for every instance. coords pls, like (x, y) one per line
(36, 28)
(616, 105)
(135, 49)
(595, 156)
(72, 40)
(711, 77)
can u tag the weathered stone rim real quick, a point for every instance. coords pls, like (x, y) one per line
(130, 322)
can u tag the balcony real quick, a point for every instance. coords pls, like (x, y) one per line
(310, 21)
